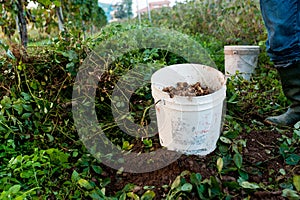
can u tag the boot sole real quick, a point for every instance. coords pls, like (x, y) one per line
(278, 125)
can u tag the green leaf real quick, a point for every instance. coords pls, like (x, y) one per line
(26, 96)
(97, 169)
(25, 115)
(85, 184)
(14, 189)
(286, 185)
(297, 133)
(220, 164)
(233, 98)
(282, 171)
(196, 178)
(176, 183)
(26, 174)
(292, 159)
(238, 160)
(126, 145)
(57, 156)
(57, 3)
(223, 148)
(185, 173)
(19, 67)
(147, 143)
(75, 153)
(148, 195)
(75, 176)
(128, 187)
(215, 186)
(133, 196)
(25, 194)
(6, 102)
(231, 134)
(34, 84)
(22, 197)
(296, 182)
(244, 175)
(70, 65)
(94, 195)
(122, 196)
(248, 185)
(225, 140)
(283, 149)
(47, 129)
(232, 185)
(72, 55)
(187, 187)
(27, 107)
(290, 194)
(146, 187)
(18, 107)
(45, 2)
(50, 137)
(297, 125)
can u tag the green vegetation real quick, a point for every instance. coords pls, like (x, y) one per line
(48, 17)
(42, 157)
(124, 10)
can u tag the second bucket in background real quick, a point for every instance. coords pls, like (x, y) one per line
(242, 59)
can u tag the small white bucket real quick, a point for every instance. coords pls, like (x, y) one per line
(190, 125)
(241, 58)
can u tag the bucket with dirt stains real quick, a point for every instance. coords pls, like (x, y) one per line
(190, 124)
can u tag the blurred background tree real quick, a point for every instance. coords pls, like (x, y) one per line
(124, 10)
(49, 16)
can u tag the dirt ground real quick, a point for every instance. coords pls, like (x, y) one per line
(262, 147)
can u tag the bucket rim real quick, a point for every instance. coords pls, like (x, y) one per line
(157, 87)
(241, 47)
(184, 64)
(220, 94)
(191, 64)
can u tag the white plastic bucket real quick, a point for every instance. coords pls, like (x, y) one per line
(241, 58)
(190, 125)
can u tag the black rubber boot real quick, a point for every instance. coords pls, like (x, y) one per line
(290, 79)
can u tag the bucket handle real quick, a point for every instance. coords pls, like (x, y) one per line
(159, 101)
(250, 64)
(238, 52)
(147, 108)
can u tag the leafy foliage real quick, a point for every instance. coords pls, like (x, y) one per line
(124, 9)
(231, 22)
(83, 15)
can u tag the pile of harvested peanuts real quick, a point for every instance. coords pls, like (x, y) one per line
(185, 89)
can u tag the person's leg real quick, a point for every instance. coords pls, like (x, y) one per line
(290, 78)
(282, 19)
